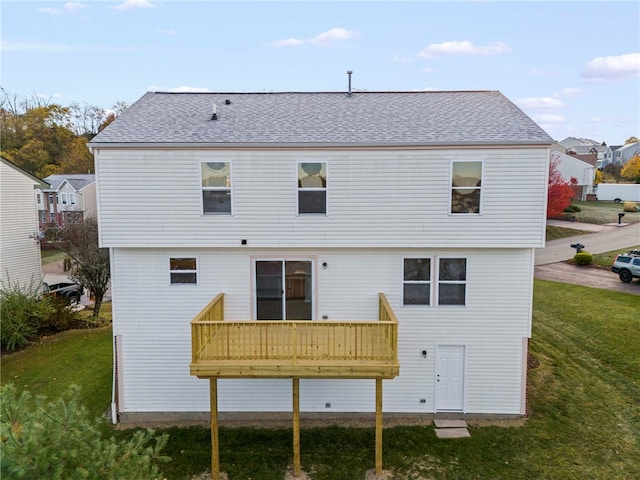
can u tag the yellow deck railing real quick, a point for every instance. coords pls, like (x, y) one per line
(278, 346)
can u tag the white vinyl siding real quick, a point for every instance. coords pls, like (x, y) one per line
(19, 252)
(378, 198)
(153, 319)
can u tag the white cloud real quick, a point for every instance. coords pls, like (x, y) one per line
(614, 68)
(333, 35)
(131, 4)
(463, 48)
(545, 103)
(569, 92)
(548, 118)
(288, 42)
(69, 7)
(186, 88)
(323, 39)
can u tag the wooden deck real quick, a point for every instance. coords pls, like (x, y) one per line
(293, 349)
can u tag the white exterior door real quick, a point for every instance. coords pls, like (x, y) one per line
(449, 377)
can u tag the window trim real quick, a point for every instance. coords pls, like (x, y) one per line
(430, 282)
(203, 188)
(464, 282)
(312, 189)
(480, 189)
(196, 271)
(63, 198)
(72, 198)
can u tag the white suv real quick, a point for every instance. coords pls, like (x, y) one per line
(627, 265)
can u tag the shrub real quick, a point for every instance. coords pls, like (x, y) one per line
(58, 440)
(21, 311)
(583, 258)
(573, 208)
(61, 317)
(630, 207)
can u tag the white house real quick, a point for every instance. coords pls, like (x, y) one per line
(69, 199)
(574, 168)
(301, 208)
(19, 250)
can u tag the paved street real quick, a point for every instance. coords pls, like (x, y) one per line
(550, 261)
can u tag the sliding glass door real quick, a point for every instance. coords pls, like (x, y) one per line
(284, 290)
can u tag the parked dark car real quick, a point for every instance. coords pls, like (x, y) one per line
(70, 291)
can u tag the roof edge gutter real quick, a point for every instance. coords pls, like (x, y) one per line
(399, 146)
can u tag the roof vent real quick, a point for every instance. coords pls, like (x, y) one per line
(349, 72)
(214, 112)
(227, 102)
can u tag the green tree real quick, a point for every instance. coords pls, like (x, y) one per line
(58, 440)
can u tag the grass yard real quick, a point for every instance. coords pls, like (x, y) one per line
(83, 357)
(583, 398)
(50, 256)
(602, 212)
(554, 233)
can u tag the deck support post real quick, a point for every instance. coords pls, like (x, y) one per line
(215, 450)
(378, 426)
(296, 427)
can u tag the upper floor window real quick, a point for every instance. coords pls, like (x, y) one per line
(183, 270)
(63, 197)
(51, 199)
(216, 187)
(39, 198)
(72, 198)
(416, 285)
(312, 187)
(466, 187)
(452, 281)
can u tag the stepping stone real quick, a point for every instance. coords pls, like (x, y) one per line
(452, 433)
(449, 423)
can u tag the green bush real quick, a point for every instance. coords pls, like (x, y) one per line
(583, 258)
(21, 311)
(61, 317)
(572, 208)
(57, 440)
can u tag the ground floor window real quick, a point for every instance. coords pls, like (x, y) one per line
(183, 270)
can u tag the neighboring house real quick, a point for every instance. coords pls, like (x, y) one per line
(19, 249)
(623, 154)
(70, 199)
(274, 221)
(583, 172)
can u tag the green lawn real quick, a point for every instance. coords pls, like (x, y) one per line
(605, 259)
(583, 399)
(554, 233)
(50, 256)
(602, 212)
(83, 357)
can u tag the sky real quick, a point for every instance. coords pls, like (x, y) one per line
(574, 67)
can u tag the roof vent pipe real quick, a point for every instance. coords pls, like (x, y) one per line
(349, 72)
(214, 112)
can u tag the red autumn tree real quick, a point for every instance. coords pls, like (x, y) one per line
(560, 192)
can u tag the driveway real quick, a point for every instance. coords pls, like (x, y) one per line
(550, 261)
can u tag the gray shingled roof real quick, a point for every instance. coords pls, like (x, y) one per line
(77, 180)
(364, 118)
